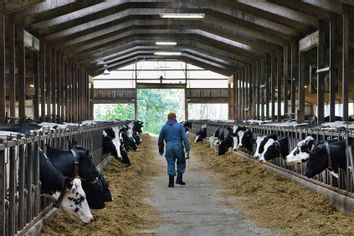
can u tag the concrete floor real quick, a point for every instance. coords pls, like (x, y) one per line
(199, 208)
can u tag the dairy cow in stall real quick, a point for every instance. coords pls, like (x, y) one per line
(67, 192)
(327, 155)
(223, 144)
(213, 138)
(201, 134)
(244, 138)
(275, 147)
(112, 143)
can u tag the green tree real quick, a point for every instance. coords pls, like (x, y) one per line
(155, 104)
(114, 112)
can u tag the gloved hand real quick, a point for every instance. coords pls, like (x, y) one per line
(161, 150)
(186, 155)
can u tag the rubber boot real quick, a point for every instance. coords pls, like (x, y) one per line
(171, 181)
(179, 179)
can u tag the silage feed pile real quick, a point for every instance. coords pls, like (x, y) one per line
(126, 215)
(272, 201)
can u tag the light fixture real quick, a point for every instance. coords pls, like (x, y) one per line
(167, 53)
(183, 15)
(166, 43)
(106, 71)
(31, 85)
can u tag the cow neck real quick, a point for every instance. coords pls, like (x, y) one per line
(58, 202)
(329, 167)
(76, 163)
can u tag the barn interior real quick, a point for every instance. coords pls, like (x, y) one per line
(268, 60)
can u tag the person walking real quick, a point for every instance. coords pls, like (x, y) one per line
(172, 133)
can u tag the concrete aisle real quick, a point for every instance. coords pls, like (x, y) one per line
(199, 208)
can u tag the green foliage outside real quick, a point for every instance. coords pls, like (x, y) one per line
(155, 104)
(153, 107)
(114, 112)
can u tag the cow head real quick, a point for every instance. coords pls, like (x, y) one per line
(201, 134)
(87, 169)
(218, 141)
(234, 137)
(245, 138)
(319, 160)
(129, 141)
(74, 203)
(138, 126)
(260, 142)
(275, 148)
(301, 153)
(94, 193)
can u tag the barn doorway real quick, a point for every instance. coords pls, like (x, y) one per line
(155, 104)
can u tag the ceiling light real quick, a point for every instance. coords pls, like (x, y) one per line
(167, 53)
(31, 85)
(166, 43)
(183, 15)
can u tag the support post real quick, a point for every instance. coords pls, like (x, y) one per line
(320, 76)
(301, 89)
(2, 69)
(332, 68)
(273, 83)
(36, 85)
(42, 73)
(12, 64)
(21, 66)
(345, 61)
(294, 75)
(278, 77)
(49, 84)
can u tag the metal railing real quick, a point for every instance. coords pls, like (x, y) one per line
(21, 204)
(343, 185)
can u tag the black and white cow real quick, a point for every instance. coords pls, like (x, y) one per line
(54, 183)
(275, 148)
(112, 144)
(301, 153)
(64, 161)
(201, 134)
(223, 144)
(328, 155)
(187, 125)
(260, 142)
(137, 130)
(128, 141)
(213, 138)
(244, 138)
(24, 128)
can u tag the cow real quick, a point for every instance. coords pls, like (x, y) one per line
(328, 155)
(223, 144)
(234, 137)
(301, 153)
(260, 142)
(78, 162)
(187, 125)
(244, 138)
(201, 134)
(67, 193)
(24, 128)
(127, 137)
(275, 148)
(113, 145)
(137, 130)
(213, 138)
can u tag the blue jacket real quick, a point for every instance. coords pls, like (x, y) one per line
(172, 133)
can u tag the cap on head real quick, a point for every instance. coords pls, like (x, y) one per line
(171, 116)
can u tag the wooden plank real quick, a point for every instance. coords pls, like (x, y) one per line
(332, 65)
(42, 74)
(301, 89)
(12, 64)
(345, 60)
(54, 81)
(279, 79)
(21, 66)
(92, 103)
(309, 42)
(36, 85)
(258, 83)
(2, 70)
(320, 76)
(273, 84)
(59, 86)
(48, 83)
(2, 193)
(267, 81)
(286, 77)
(294, 67)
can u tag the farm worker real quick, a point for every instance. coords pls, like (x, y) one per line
(172, 133)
